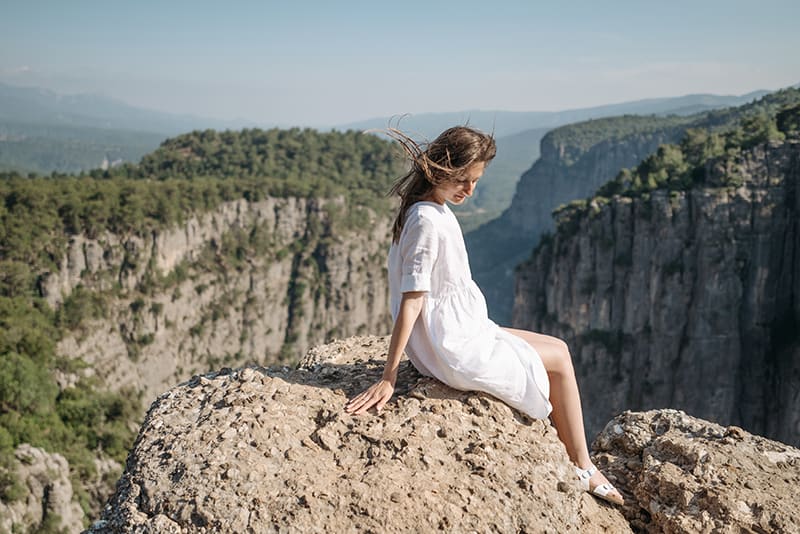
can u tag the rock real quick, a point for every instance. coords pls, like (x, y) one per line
(682, 299)
(565, 171)
(47, 495)
(271, 449)
(304, 289)
(683, 474)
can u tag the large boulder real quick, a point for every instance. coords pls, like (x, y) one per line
(683, 474)
(258, 450)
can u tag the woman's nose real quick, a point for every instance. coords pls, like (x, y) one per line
(469, 188)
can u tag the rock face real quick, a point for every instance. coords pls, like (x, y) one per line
(47, 496)
(683, 474)
(566, 170)
(686, 299)
(179, 302)
(265, 450)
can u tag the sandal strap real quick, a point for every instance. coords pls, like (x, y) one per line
(585, 474)
(604, 489)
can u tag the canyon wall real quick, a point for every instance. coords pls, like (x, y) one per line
(682, 299)
(567, 169)
(250, 282)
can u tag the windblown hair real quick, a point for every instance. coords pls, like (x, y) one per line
(442, 160)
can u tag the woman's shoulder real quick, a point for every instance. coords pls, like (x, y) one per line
(422, 218)
(425, 210)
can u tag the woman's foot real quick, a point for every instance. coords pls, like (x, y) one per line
(597, 484)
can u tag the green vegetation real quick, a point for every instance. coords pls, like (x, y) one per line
(189, 174)
(576, 139)
(720, 139)
(42, 148)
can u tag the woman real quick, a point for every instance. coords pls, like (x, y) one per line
(440, 315)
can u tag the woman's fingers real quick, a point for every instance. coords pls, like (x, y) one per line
(359, 401)
(377, 395)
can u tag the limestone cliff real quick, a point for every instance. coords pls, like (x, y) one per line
(575, 160)
(682, 299)
(249, 282)
(44, 495)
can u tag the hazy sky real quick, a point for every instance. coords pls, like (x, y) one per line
(325, 62)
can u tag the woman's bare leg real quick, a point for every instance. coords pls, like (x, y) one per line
(567, 415)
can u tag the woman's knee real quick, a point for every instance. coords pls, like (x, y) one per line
(553, 351)
(558, 356)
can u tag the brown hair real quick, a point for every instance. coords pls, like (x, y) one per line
(440, 161)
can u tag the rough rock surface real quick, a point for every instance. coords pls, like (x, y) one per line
(267, 450)
(48, 494)
(686, 299)
(561, 174)
(682, 474)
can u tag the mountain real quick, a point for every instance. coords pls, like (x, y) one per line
(33, 105)
(518, 135)
(46, 148)
(677, 283)
(575, 161)
(42, 131)
(504, 123)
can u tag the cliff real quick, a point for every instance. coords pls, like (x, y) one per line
(684, 298)
(43, 495)
(247, 282)
(270, 449)
(575, 160)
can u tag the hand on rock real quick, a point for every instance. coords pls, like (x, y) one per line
(377, 395)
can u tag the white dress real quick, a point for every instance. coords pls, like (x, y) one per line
(453, 338)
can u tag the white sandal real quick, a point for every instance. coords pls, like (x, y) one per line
(604, 491)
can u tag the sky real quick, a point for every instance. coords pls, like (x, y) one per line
(319, 63)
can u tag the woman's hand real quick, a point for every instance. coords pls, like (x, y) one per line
(377, 395)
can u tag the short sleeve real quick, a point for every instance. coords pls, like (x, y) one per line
(419, 247)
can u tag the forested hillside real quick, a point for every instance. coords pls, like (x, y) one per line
(335, 182)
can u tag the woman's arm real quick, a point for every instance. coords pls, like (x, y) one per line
(380, 392)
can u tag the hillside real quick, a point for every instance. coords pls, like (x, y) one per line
(575, 161)
(218, 249)
(518, 135)
(677, 283)
(42, 131)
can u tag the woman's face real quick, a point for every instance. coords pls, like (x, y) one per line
(460, 189)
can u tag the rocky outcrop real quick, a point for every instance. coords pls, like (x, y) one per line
(270, 449)
(178, 303)
(46, 499)
(682, 299)
(567, 169)
(683, 474)
(265, 450)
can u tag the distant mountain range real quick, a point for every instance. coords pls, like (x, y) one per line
(42, 131)
(42, 106)
(504, 123)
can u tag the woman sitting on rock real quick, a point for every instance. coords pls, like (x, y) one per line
(440, 316)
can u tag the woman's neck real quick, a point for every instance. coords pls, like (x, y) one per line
(430, 197)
